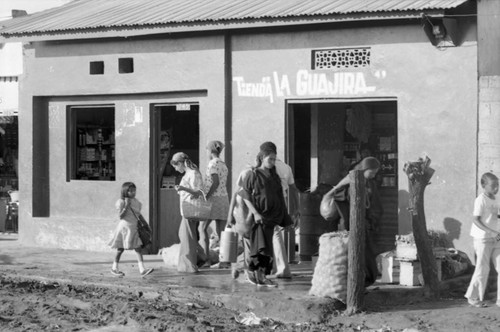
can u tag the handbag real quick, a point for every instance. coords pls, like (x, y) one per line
(196, 208)
(145, 233)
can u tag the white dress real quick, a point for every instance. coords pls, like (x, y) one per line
(126, 235)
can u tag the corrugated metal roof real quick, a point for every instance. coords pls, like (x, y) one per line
(107, 14)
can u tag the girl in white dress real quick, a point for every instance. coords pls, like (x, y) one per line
(126, 235)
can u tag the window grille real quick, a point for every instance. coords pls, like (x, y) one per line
(341, 58)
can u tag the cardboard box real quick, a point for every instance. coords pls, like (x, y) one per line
(406, 251)
(411, 273)
(390, 268)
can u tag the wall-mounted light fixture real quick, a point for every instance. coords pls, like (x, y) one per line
(442, 32)
(439, 31)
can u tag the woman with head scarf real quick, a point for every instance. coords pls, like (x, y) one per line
(373, 210)
(216, 193)
(262, 192)
(190, 187)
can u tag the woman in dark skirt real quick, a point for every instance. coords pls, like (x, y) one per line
(263, 194)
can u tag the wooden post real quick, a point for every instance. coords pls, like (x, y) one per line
(419, 173)
(356, 246)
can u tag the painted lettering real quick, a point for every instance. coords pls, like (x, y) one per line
(360, 85)
(320, 84)
(301, 88)
(282, 87)
(306, 84)
(262, 89)
(348, 83)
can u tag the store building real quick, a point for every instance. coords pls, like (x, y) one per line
(10, 69)
(110, 102)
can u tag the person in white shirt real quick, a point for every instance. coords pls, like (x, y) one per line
(486, 233)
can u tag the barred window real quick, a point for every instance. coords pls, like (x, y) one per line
(341, 58)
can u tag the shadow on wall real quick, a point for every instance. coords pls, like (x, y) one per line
(452, 226)
(453, 229)
(404, 217)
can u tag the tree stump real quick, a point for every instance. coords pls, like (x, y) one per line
(419, 173)
(356, 246)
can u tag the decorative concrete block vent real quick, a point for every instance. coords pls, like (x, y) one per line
(330, 273)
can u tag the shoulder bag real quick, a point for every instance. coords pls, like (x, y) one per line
(145, 233)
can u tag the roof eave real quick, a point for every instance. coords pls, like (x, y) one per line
(135, 31)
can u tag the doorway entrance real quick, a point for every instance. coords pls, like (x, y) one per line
(327, 138)
(174, 128)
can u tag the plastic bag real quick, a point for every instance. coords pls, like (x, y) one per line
(170, 255)
(328, 208)
(243, 218)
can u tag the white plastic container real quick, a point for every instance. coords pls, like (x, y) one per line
(228, 246)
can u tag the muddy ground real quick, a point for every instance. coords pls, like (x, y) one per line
(41, 306)
(31, 305)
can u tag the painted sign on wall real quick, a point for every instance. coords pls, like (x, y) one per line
(307, 84)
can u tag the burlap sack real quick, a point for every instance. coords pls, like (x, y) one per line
(330, 274)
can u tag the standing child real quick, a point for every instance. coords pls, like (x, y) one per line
(126, 235)
(485, 231)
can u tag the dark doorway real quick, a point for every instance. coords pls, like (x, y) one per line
(174, 128)
(325, 140)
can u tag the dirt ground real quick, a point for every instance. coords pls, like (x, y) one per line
(44, 289)
(29, 305)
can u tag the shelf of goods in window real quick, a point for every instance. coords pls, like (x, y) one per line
(351, 146)
(95, 137)
(388, 169)
(388, 180)
(387, 143)
(388, 163)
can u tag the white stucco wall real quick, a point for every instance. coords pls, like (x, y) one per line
(436, 93)
(82, 213)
